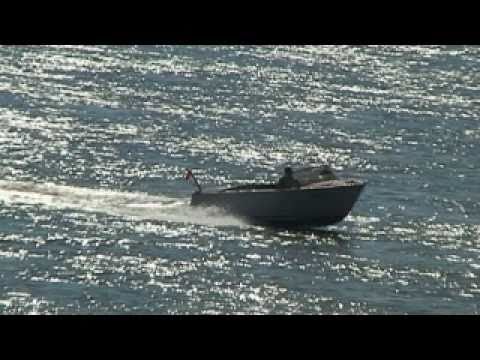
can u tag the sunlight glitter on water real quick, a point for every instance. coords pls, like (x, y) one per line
(95, 215)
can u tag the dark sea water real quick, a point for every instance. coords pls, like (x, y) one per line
(94, 208)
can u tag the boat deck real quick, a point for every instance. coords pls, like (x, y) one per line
(332, 183)
(271, 187)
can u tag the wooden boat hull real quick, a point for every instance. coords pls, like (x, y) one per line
(319, 204)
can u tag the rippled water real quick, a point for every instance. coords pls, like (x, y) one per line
(94, 209)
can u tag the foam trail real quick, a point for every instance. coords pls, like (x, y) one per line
(139, 206)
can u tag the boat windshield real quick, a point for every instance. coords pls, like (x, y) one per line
(309, 175)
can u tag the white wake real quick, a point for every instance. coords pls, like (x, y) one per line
(133, 205)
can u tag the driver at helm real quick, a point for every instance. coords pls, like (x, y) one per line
(287, 181)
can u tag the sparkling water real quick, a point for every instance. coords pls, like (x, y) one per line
(95, 215)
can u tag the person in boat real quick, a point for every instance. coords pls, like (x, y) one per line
(287, 181)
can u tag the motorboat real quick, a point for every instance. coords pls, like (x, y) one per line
(321, 199)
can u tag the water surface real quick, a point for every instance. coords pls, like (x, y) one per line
(95, 219)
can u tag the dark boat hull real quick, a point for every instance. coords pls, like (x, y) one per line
(315, 206)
